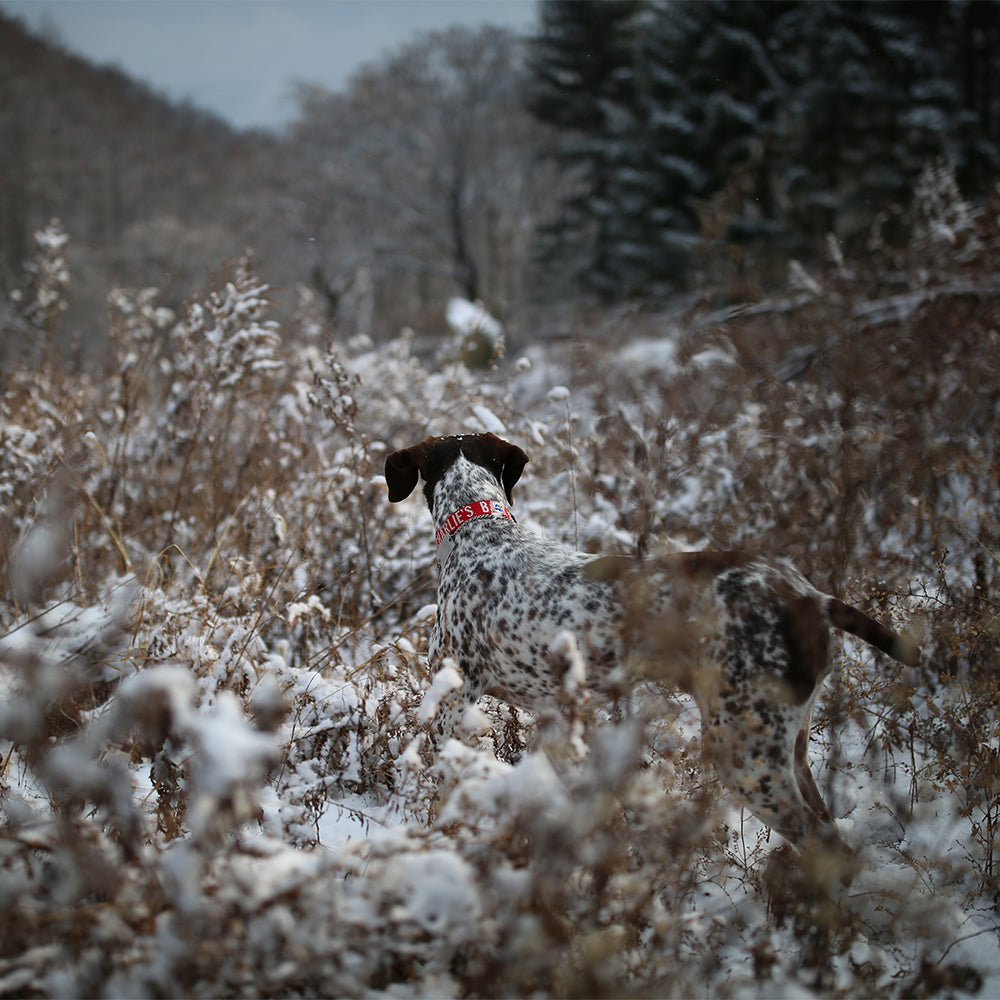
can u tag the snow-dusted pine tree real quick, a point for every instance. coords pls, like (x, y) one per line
(721, 125)
(582, 64)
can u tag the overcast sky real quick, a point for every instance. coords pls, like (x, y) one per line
(238, 58)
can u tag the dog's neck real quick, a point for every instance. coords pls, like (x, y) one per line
(466, 492)
(463, 483)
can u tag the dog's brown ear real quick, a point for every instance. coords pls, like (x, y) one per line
(401, 474)
(514, 461)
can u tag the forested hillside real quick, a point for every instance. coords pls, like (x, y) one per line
(148, 192)
(422, 181)
(216, 772)
(627, 151)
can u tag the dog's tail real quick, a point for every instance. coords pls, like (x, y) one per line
(850, 619)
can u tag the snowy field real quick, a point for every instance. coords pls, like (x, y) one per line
(216, 775)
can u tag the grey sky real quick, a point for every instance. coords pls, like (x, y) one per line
(238, 58)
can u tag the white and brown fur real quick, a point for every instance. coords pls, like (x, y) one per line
(747, 636)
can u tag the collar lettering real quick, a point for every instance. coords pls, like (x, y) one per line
(479, 508)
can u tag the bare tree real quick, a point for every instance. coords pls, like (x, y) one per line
(425, 174)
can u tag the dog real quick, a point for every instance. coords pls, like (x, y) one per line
(746, 636)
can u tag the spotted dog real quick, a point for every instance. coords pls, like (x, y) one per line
(747, 636)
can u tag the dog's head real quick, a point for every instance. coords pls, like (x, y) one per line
(432, 458)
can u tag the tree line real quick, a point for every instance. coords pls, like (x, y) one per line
(625, 149)
(697, 126)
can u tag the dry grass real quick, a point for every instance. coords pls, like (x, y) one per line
(213, 637)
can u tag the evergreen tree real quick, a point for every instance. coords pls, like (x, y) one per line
(671, 112)
(856, 137)
(971, 32)
(582, 67)
(708, 96)
(702, 124)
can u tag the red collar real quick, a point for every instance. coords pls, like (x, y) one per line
(480, 508)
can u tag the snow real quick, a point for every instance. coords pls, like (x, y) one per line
(488, 420)
(565, 650)
(437, 890)
(647, 356)
(446, 680)
(466, 318)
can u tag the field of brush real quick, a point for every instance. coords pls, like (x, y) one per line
(215, 778)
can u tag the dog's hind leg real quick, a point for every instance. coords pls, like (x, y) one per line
(804, 776)
(758, 749)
